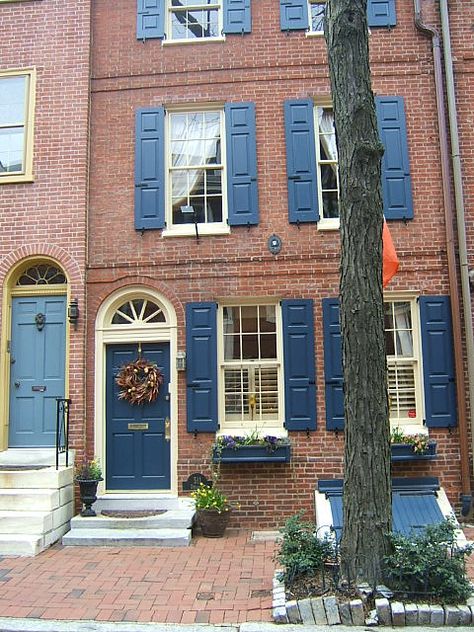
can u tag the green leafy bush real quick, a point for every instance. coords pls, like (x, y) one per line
(430, 564)
(301, 551)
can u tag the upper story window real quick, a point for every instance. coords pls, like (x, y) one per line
(194, 19)
(196, 168)
(317, 11)
(327, 164)
(250, 367)
(16, 125)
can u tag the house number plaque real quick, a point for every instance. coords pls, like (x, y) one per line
(141, 426)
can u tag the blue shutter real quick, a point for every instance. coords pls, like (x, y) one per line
(149, 169)
(381, 13)
(301, 161)
(242, 191)
(333, 375)
(298, 350)
(396, 178)
(438, 361)
(150, 19)
(201, 360)
(294, 15)
(237, 16)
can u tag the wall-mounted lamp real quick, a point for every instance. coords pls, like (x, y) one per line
(73, 311)
(181, 361)
(191, 211)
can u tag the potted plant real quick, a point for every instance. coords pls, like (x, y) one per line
(88, 475)
(411, 447)
(212, 510)
(251, 448)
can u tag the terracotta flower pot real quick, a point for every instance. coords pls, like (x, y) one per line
(213, 524)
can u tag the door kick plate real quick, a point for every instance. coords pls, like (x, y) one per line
(141, 426)
(38, 389)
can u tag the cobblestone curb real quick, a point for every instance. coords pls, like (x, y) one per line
(326, 611)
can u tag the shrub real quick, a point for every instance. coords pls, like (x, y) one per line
(430, 564)
(301, 551)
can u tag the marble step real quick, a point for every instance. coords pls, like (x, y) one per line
(33, 499)
(139, 502)
(172, 519)
(127, 537)
(25, 545)
(48, 478)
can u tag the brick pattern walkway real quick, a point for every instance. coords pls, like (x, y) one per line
(226, 580)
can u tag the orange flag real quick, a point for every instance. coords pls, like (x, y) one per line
(389, 256)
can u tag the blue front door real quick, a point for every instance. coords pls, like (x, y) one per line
(137, 445)
(37, 356)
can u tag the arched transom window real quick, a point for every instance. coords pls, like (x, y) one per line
(42, 274)
(138, 311)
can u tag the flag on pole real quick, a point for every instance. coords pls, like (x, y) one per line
(389, 256)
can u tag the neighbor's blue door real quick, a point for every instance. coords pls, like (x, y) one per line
(37, 356)
(137, 457)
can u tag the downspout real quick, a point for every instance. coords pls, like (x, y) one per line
(466, 495)
(459, 201)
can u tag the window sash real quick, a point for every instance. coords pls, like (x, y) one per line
(214, 7)
(13, 127)
(328, 196)
(203, 168)
(311, 4)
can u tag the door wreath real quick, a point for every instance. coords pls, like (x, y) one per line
(139, 381)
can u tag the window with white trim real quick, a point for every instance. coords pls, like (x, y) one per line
(16, 125)
(327, 164)
(196, 171)
(191, 20)
(316, 11)
(404, 372)
(250, 367)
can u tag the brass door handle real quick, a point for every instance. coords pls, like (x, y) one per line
(167, 429)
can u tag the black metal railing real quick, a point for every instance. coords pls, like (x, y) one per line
(63, 406)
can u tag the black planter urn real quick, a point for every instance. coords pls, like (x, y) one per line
(88, 493)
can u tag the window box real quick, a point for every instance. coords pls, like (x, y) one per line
(405, 452)
(252, 454)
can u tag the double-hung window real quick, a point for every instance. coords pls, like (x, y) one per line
(327, 166)
(16, 125)
(196, 172)
(191, 20)
(317, 11)
(402, 348)
(250, 367)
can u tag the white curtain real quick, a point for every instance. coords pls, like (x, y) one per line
(328, 133)
(402, 322)
(189, 146)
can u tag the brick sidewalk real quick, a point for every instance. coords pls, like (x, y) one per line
(226, 580)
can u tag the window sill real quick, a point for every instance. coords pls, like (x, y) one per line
(329, 224)
(201, 40)
(252, 454)
(315, 34)
(404, 452)
(203, 230)
(15, 179)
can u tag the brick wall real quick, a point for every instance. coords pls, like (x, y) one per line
(266, 67)
(48, 216)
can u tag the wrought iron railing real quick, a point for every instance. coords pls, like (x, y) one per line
(63, 406)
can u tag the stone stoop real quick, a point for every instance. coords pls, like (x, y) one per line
(36, 506)
(170, 528)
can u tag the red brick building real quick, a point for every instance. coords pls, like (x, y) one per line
(213, 242)
(44, 113)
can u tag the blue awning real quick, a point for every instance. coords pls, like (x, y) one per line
(414, 503)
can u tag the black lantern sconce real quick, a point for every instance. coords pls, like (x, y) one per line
(73, 311)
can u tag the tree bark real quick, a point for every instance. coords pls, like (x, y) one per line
(367, 483)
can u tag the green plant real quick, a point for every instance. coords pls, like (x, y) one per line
(89, 470)
(270, 442)
(429, 564)
(301, 551)
(210, 498)
(418, 441)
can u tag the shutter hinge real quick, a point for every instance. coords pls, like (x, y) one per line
(9, 346)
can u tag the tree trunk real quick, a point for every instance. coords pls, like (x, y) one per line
(367, 484)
